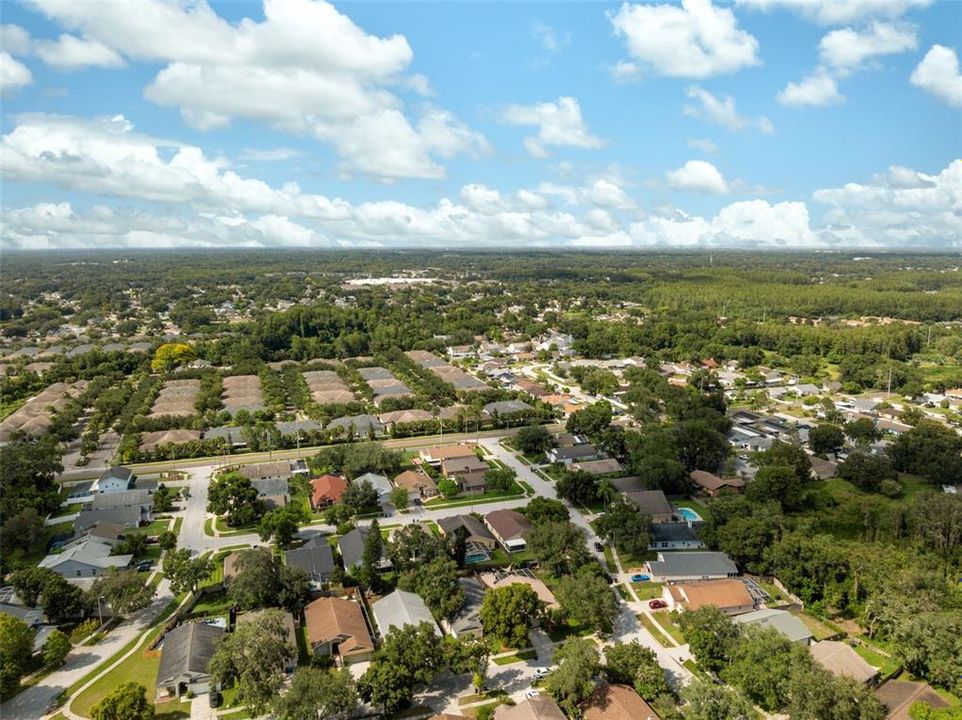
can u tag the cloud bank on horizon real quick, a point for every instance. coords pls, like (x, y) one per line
(784, 124)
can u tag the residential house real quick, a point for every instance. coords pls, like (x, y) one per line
(475, 531)
(653, 503)
(336, 628)
(315, 557)
(784, 622)
(686, 566)
(232, 436)
(618, 702)
(34, 619)
(436, 455)
(540, 707)
(507, 408)
(361, 425)
(185, 657)
(139, 499)
(128, 516)
(467, 621)
(401, 608)
(468, 472)
(842, 661)
(273, 492)
(509, 527)
(327, 490)
(500, 579)
(254, 616)
(712, 485)
(676, 536)
(418, 483)
(351, 547)
(567, 454)
(279, 470)
(604, 466)
(380, 483)
(730, 596)
(823, 469)
(115, 479)
(898, 696)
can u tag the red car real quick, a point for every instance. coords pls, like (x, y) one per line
(657, 604)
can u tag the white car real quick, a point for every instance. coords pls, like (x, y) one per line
(532, 694)
(542, 673)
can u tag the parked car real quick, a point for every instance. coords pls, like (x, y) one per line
(640, 578)
(144, 565)
(543, 672)
(532, 694)
(657, 604)
(215, 699)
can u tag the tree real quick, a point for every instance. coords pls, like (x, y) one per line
(541, 510)
(167, 540)
(761, 664)
(587, 599)
(56, 649)
(409, 656)
(626, 527)
(700, 445)
(559, 546)
(163, 499)
(258, 682)
(711, 635)
(184, 572)
(294, 588)
(170, 355)
(448, 487)
(23, 530)
(775, 482)
(578, 487)
(399, 497)
(124, 590)
(814, 694)
(281, 524)
(16, 646)
(633, 664)
(257, 580)
(862, 431)
(127, 702)
(930, 644)
(866, 470)
(533, 440)
(371, 556)
(506, 613)
(359, 495)
(591, 421)
(437, 584)
(233, 496)
(412, 545)
(316, 692)
(28, 473)
(658, 473)
(708, 701)
(499, 479)
(825, 439)
(782, 454)
(745, 539)
(574, 680)
(936, 520)
(931, 450)
(133, 543)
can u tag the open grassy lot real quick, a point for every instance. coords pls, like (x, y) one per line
(669, 621)
(819, 629)
(648, 590)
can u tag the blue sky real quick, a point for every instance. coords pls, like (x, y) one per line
(752, 123)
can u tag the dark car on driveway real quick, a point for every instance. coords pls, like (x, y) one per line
(657, 604)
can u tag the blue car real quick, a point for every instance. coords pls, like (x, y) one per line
(640, 578)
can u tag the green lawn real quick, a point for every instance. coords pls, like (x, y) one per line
(516, 657)
(886, 665)
(514, 491)
(156, 527)
(648, 590)
(669, 621)
(568, 630)
(655, 632)
(818, 628)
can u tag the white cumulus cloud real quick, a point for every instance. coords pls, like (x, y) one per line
(559, 124)
(846, 49)
(696, 40)
(69, 52)
(721, 111)
(13, 74)
(839, 12)
(816, 90)
(938, 73)
(699, 176)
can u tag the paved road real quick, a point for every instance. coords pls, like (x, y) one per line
(33, 702)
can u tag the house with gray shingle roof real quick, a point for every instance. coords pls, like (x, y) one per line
(401, 608)
(680, 566)
(185, 657)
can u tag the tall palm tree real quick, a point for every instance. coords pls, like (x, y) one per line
(607, 491)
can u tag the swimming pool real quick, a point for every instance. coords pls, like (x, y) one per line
(689, 514)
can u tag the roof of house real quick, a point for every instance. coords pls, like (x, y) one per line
(449, 525)
(631, 483)
(291, 427)
(603, 466)
(328, 487)
(116, 473)
(720, 593)
(330, 618)
(688, 564)
(618, 702)
(823, 469)
(287, 619)
(152, 440)
(710, 481)
(574, 452)
(127, 515)
(414, 479)
(378, 482)
(507, 524)
(317, 560)
(786, 623)
(899, 695)
(401, 608)
(676, 531)
(448, 452)
(840, 659)
(471, 464)
(651, 502)
(405, 416)
(280, 468)
(351, 546)
(362, 424)
(272, 486)
(495, 580)
(506, 407)
(187, 649)
(468, 618)
(122, 498)
(541, 707)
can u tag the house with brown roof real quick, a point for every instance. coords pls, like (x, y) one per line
(653, 503)
(468, 472)
(618, 702)
(540, 707)
(898, 696)
(336, 628)
(729, 596)
(509, 527)
(327, 490)
(712, 485)
(842, 661)
(434, 456)
(500, 579)
(418, 483)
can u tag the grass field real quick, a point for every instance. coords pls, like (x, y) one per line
(819, 629)
(516, 657)
(669, 621)
(648, 590)
(655, 632)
